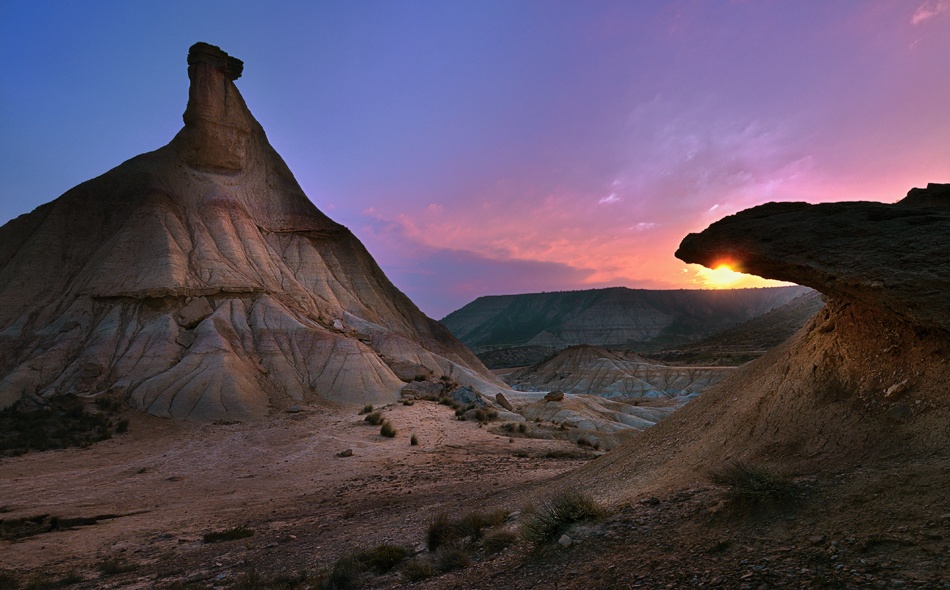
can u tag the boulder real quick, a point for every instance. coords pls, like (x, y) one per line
(467, 396)
(502, 401)
(554, 396)
(422, 390)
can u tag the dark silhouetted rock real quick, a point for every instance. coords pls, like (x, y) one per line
(892, 258)
(554, 396)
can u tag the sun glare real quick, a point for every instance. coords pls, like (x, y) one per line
(721, 277)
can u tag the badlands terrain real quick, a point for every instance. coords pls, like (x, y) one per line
(230, 339)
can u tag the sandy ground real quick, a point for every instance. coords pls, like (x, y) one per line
(168, 483)
(171, 482)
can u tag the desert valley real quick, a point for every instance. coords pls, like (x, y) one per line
(205, 382)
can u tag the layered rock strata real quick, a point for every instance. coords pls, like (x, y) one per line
(198, 281)
(594, 370)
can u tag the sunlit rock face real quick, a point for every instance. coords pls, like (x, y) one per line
(198, 281)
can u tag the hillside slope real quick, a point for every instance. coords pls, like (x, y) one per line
(863, 383)
(649, 320)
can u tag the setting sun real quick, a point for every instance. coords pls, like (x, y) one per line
(724, 276)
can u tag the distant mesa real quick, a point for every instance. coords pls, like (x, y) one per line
(644, 320)
(198, 281)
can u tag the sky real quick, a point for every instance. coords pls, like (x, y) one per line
(492, 147)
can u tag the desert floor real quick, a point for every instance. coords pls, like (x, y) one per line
(155, 491)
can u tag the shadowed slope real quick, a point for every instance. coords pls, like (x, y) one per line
(865, 380)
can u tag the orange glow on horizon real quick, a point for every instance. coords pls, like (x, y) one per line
(725, 276)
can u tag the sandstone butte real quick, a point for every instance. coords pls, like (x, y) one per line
(198, 281)
(865, 381)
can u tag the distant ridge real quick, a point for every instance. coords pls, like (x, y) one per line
(638, 318)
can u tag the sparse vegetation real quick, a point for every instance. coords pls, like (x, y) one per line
(498, 541)
(388, 430)
(347, 571)
(343, 575)
(366, 409)
(753, 484)
(42, 582)
(417, 569)
(63, 422)
(113, 566)
(547, 522)
(452, 557)
(374, 418)
(444, 530)
(383, 558)
(9, 580)
(413, 440)
(408, 402)
(232, 534)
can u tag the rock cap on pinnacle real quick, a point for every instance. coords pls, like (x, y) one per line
(213, 55)
(218, 125)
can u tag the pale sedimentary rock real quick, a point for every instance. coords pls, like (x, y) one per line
(198, 281)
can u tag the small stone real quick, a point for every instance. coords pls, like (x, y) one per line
(564, 541)
(294, 410)
(816, 539)
(346, 453)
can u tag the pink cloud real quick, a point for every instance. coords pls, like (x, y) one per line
(928, 10)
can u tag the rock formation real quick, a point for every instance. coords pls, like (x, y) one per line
(198, 281)
(890, 258)
(864, 382)
(593, 370)
(644, 319)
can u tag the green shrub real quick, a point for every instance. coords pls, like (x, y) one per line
(413, 440)
(452, 557)
(366, 409)
(387, 430)
(522, 428)
(232, 534)
(498, 541)
(557, 514)
(444, 530)
(62, 423)
(383, 558)
(374, 418)
(440, 530)
(748, 483)
(344, 575)
(348, 570)
(417, 569)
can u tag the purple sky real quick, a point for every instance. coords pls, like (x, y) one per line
(487, 147)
